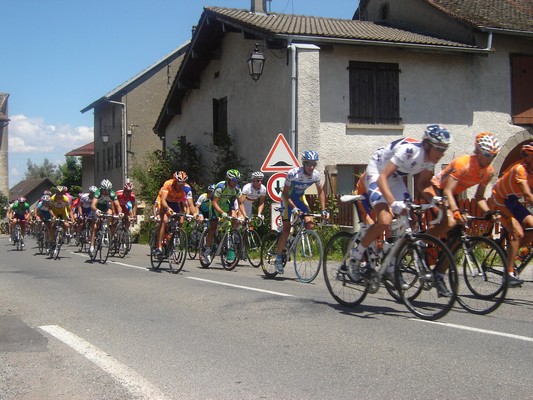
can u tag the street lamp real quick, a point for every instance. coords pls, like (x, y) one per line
(105, 139)
(256, 63)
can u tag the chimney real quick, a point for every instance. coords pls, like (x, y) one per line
(259, 6)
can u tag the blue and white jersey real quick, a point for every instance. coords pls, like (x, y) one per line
(298, 181)
(85, 201)
(407, 154)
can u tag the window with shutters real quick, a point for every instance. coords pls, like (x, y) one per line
(374, 93)
(220, 121)
(522, 89)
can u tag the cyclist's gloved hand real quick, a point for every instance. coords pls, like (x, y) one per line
(261, 217)
(121, 215)
(398, 207)
(296, 211)
(98, 212)
(224, 215)
(325, 214)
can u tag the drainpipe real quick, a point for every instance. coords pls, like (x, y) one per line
(292, 139)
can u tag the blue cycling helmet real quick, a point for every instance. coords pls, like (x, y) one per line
(211, 187)
(310, 155)
(437, 135)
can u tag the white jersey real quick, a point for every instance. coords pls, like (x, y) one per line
(85, 201)
(407, 154)
(252, 194)
(298, 181)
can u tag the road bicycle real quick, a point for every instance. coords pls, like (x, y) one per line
(193, 239)
(102, 240)
(482, 264)
(303, 247)
(173, 245)
(43, 237)
(84, 235)
(121, 240)
(18, 237)
(407, 259)
(57, 242)
(250, 249)
(226, 244)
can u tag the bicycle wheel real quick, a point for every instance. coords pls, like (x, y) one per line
(177, 251)
(192, 243)
(59, 242)
(42, 240)
(343, 289)
(308, 254)
(482, 263)
(18, 237)
(230, 254)
(123, 243)
(252, 247)
(104, 246)
(202, 246)
(268, 254)
(417, 264)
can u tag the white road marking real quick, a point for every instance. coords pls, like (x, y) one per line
(113, 262)
(131, 380)
(241, 287)
(485, 331)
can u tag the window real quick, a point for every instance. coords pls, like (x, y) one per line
(522, 87)
(374, 93)
(118, 155)
(220, 121)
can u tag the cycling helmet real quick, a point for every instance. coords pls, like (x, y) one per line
(233, 175)
(258, 175)
(65, 189)
(180, 176)
(47, 192)
(310, 155)
(59, 189)
(437, 135)
(211, 188)
(92, 189)
(128, 186)
(487, 144)
(22, 199)
(106, 184)
(527, 150)
(45, 198)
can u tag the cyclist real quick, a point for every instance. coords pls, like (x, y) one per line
(462, 173)
(19, 213)
(293, 199)
(387, 190)
(128, 202)
(104, 202)
(204, 203)
(172, 196)
(515, 184)
(60, 208)
(84, 210)
(252, 192)
(224, 195)
(44, 213)
(363, 206)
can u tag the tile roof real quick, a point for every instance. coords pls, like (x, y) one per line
(282, 25)
(514, 15)
(27, 187)
(85, 150)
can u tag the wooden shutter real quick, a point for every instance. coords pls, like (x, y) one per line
(522, 89)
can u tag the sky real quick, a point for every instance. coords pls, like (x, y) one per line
(58, 56)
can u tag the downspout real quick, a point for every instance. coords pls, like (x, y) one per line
(292, 142)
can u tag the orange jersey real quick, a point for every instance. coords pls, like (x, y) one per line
(467, 172)
(176, 195)
(508, 184)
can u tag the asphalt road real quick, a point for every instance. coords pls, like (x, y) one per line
(70, 329)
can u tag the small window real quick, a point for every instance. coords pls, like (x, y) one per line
(220, 121)
(522, 87)
(374, 93)
(110, 158)
(384, 12)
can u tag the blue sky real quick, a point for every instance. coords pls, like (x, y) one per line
(58, 56)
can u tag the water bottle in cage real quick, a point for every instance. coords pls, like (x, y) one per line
(396, 227)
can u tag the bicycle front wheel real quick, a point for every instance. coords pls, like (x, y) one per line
(423, 266)
(341, 287)
(482, 263)
(177, 251)
(192, 244)
(104, 246)
(252, 246)
(123, 243)
(308, 255)
(231, 248)
(42, 240)
(268, 254)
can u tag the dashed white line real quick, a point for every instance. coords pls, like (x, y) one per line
(485, 331)
(241, 287)
(131, 380)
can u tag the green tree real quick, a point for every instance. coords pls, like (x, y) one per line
(70, 173)
(46, 170)
(226, 158)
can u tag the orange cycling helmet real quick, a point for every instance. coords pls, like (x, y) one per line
(527, 150)
(180, 176)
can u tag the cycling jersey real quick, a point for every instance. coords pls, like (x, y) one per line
(204, 203)
(252, 194)
(104, 201)
(126, 201)
(85, 202)
(175, 195)
(508, 184)
(298, 181)
(409, 157)
(43, 210)
(19, 208)
(60, 205)
(226, 195)
(466, 171)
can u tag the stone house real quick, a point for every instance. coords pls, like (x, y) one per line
(344, 87)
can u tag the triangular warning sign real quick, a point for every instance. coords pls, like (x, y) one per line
(280, 158)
